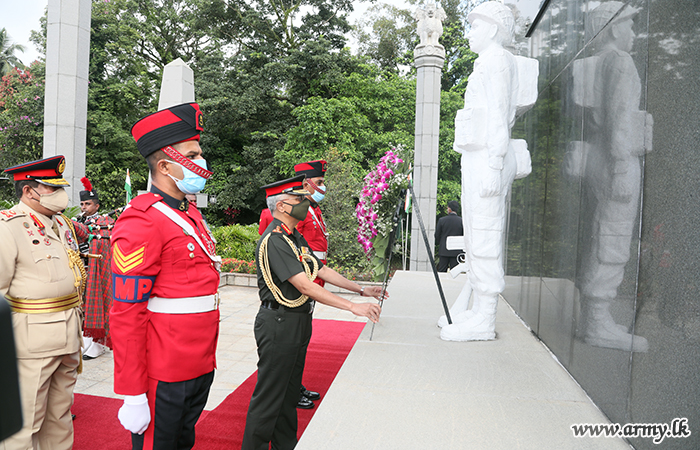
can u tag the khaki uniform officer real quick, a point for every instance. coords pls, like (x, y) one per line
(40, 274)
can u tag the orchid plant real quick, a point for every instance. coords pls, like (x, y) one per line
(383, 189)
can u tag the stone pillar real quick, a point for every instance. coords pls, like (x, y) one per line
(177, 86)
(65, 103)
(429, 60)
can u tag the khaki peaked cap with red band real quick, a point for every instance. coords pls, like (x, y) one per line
(48, 171)
(292, 186)
(311, 169)
(166, 127)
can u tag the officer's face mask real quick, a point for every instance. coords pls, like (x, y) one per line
(191, 183)
(299, 210)
(56, 201)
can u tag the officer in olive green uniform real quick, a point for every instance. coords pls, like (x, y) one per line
(40, 275)
(286, 270)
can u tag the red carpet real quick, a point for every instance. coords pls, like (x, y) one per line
(97, 426)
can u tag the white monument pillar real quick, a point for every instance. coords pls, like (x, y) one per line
(429, 58)
(65, 103)
(177, 86)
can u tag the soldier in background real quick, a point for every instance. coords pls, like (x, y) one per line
(93, 231)
(41, 275)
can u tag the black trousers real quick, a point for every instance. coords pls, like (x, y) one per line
(446, 262)
(177, 408)
(283, 338)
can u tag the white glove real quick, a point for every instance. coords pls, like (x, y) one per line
(134, 414)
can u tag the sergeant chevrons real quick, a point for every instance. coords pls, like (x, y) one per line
(153, 257)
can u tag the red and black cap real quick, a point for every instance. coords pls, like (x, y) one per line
(89, 193)
(311, 169)
(48, 171)
(293, 186)
(166, 127)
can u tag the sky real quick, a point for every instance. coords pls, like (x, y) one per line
(19, 21)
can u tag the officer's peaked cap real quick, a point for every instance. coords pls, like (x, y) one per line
(48, 171)
(294, 186)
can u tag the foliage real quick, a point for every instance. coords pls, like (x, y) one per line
(21, 119)
(338, 209)
(383, 190)
(233, 265)
(386, 34)
(236, 241)
(366, 114)
(8, 60)
(354, 272)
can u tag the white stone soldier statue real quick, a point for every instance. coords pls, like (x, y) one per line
(501, 85)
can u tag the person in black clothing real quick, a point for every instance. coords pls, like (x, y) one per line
(286, 268)
(450, 225)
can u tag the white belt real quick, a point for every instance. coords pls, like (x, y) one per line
(320, 255)
(185, 305)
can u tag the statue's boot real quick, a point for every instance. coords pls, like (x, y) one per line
(598, 328)
(481, 326)
(459, 312)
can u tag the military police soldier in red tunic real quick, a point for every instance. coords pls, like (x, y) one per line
(165, 316)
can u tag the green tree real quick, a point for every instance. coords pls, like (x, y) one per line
(370, 111)
(386, 34)
(8, 60)
(21, 119)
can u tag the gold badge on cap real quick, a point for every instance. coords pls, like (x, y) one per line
(62, 166)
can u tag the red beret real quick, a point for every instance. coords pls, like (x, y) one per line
(166, 127)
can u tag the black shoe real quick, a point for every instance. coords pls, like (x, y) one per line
(311, 395)
(305, 403)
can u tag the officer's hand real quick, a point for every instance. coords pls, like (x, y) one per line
(134, 414)
(376, 292)
(369, 310)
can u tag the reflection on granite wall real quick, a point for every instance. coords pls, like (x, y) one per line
(602, 240)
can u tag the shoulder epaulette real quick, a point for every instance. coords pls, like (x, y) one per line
(7, 214)
(145, 201)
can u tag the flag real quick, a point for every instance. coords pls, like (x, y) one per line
(127, 187)
(407, 205)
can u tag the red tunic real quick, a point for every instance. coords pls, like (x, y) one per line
(153, 257)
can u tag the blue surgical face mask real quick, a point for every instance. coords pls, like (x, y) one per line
(192, 183)
(318, 196)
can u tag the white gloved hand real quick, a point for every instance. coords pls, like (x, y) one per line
(134, 414)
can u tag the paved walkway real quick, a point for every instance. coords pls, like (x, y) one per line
(407, 389)
(236, 353)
